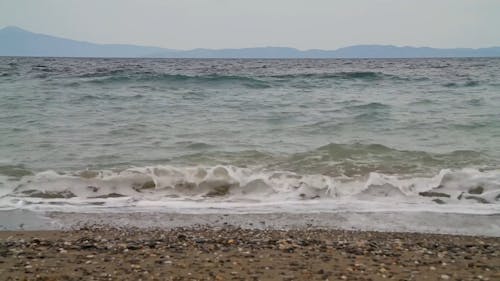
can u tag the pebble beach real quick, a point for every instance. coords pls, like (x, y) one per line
(232, 253)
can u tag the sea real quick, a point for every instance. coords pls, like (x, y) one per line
(197, 136)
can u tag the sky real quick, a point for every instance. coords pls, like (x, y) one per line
(302, 24)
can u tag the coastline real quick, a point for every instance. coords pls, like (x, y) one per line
(231, 253)
(272, 246)
(420, 222)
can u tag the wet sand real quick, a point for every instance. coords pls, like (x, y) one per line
(231, 253)
(422, 222)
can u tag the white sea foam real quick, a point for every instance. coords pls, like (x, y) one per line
(233, 189)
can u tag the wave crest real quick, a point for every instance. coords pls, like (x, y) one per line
(229, 184)
(358, 160)
(211, 79)
(257, 81)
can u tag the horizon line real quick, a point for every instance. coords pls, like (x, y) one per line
(254, 47)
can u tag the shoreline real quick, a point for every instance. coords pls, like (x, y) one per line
(230, 253)
(420, 222)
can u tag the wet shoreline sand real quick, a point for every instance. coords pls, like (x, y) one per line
(403, 221)
(232, 253)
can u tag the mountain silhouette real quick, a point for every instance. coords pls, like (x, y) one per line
(15, 41)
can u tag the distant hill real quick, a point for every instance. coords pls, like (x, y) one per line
(15, 41)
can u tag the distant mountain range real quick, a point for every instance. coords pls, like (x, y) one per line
(15, 41)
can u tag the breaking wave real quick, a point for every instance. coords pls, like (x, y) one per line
(329, 176)
(166, 185)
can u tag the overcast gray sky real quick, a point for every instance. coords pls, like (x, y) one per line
(303, 24)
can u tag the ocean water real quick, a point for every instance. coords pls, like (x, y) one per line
(250, 136)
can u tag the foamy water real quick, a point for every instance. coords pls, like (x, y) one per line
(232, 189)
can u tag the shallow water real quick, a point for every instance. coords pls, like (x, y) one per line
(250, 135)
